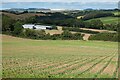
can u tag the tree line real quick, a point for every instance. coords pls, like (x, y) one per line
(105, 37)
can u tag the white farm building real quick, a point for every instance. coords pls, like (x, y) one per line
(37, 27)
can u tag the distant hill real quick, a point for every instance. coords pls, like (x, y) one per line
(22, 16)
(89, 9)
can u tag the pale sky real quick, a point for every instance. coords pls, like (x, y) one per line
(84, 1)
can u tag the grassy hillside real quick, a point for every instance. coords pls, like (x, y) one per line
(116, 12)
(25, 58)
(107, 20)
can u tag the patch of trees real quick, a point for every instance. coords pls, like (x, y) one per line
(7, 24)
(98, 24)
(10, 26)
(94, 24)
(59, 19)
(78, 13)
(105, 36)
(17, 28)
(31, 20)
(53, 16)
(79, 30)
(72, 23)
(113, 27)
(97, 14)
(50, 18)
(56, 20)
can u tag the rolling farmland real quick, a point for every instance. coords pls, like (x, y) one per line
(26, 58)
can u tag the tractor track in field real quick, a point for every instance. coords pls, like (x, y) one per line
(91, 66)
(115, 74)
(76, 72)
(56, 64)
(68, 70)
(99, 72)
(25, 68)
(66, 66)
(56, 67)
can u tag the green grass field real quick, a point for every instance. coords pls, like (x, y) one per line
(26, 58)
(116, 12)
(107, 20)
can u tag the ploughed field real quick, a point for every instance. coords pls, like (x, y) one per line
(26, 58)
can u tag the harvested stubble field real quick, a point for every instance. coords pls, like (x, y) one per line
(26, 58)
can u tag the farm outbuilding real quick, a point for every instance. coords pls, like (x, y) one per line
(37, 27)
(30, 26)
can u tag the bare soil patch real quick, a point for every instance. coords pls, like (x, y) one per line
(86, 37)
